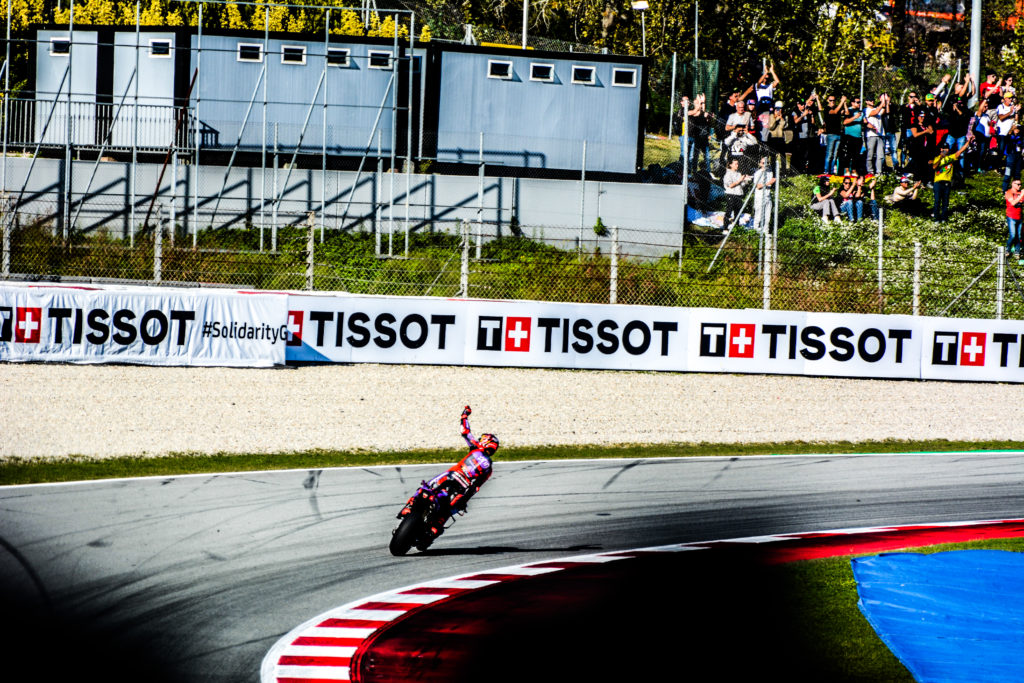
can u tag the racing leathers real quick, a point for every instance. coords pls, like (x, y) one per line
(461, 481)
(468, 474)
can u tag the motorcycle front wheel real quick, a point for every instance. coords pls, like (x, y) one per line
(404, 535)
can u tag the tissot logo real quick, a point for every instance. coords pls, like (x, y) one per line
(359, 329)
(94, 326)
(963, 348)
(573, 335)
(813, 343)
(718, 340)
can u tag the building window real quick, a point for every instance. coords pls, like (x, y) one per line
(160, 49)
(293, 54)
(584, 75)
(544, 73)
(499, 69)
(250, 52)
(380, 60)
(60, 47)
(337, 56)
(625, 78)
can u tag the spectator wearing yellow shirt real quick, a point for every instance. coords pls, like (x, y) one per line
(943, 166)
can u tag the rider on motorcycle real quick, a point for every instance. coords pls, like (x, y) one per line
(464, 478)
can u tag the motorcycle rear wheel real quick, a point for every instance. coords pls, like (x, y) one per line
(404, 535)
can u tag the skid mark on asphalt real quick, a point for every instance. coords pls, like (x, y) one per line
(622, 470)
(29, 571)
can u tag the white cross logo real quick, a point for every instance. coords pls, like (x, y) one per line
(741, 340)
(973, 349)
(518, 334)
(28, 326)
(294, 326)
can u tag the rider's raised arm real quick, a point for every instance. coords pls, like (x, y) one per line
(466, 433)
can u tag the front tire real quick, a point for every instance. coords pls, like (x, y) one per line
(404, 535)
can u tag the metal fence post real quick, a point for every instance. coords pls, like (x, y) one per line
(135, 132)
(68, 175)
(881, 275)
(263, 141)
(613, 285)
(917, 278)
(684, 152)
(273, 212)
(376, 196)
(672, 100)
(464, 267)
(198, 126)
(1000, 280)
(7, 221)
(310, 243)
(158, 245)
(323, 134)
(766, 295)
(480, 201)
(583, 198)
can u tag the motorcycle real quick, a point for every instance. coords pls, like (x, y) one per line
(428, 507)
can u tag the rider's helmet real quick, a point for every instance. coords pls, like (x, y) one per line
(489, 443)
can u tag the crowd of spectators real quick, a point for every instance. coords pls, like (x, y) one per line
(934, 139)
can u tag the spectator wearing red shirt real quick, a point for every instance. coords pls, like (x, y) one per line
(1014, 197)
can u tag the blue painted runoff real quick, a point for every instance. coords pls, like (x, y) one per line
(951, 616)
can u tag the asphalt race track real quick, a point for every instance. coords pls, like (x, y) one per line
(195, 578)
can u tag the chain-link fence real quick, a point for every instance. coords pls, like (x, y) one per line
(742, 269)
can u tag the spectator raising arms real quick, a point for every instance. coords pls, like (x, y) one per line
(874, 135)
(1014, 197)
(850, 205)
(777, 133)
(805, 135)
(833, 131)
(904, 196)
(735, 184)
(943, 167)
(990, 90)
(853, 129)
(764, 181)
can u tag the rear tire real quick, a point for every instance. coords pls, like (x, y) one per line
(404, 535)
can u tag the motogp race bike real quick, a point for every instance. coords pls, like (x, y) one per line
(428, 509)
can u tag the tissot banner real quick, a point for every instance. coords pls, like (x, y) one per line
(795, 343)
(474, 332)
(141, 325)
(976, 350)
(217, 327)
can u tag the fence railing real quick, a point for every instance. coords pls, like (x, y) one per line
(51, 122)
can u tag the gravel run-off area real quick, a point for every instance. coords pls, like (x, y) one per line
(53, 410)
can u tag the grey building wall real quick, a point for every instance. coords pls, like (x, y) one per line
(359, 96)
(155, 83)
(554, 210)
(534, 123)
(52, 89)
